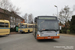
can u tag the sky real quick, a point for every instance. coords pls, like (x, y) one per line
(41, 7)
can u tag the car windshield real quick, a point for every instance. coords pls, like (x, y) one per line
(47, 25)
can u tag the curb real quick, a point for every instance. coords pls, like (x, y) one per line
(68, 35)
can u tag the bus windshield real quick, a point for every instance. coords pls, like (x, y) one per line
(23, 26)
(30, 26)
(47, 25)
(6, 24)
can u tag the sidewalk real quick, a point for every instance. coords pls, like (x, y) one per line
(13, 32)
(68, 35)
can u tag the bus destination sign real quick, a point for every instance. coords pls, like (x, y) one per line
(51, 18)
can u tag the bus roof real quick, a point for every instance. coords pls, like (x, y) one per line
(46, 16)
(30, 24)
(5, 21)
(24, 23)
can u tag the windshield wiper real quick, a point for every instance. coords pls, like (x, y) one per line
(53, 29)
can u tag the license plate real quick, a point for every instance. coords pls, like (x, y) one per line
(49, 37)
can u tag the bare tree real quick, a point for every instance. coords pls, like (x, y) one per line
(30, 18)
(5, 4)
(25, 17)
(65, 14)
(14, 9)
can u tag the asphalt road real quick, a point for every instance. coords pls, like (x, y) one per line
(28, 42)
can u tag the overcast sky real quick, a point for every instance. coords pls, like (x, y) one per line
(41, 7)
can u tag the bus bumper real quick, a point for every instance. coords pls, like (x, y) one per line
(49, 37)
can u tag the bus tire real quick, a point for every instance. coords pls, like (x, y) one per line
(22, 32)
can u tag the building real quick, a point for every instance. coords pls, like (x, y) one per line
(11, 16)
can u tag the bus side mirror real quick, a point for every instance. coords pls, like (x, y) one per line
(35, 19)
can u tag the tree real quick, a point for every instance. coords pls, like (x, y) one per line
(6, 5)
(72, 24)
(25, 17)
(65, 14)
(14, 9)
(30, 18)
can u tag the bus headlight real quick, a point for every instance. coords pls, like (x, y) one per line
(38, 34)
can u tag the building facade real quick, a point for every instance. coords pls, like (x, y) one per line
(11, 16)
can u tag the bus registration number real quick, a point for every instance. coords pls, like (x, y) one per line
(49, 37)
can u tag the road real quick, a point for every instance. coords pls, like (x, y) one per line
(28, 42)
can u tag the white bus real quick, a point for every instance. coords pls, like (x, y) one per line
(46, 27)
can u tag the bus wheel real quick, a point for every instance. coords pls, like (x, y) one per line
(22, 32)
(28, 31)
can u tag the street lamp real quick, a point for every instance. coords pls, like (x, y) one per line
(57, 10)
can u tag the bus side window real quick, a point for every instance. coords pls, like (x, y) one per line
(6, 25)
(26, 26)
(30, 26)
